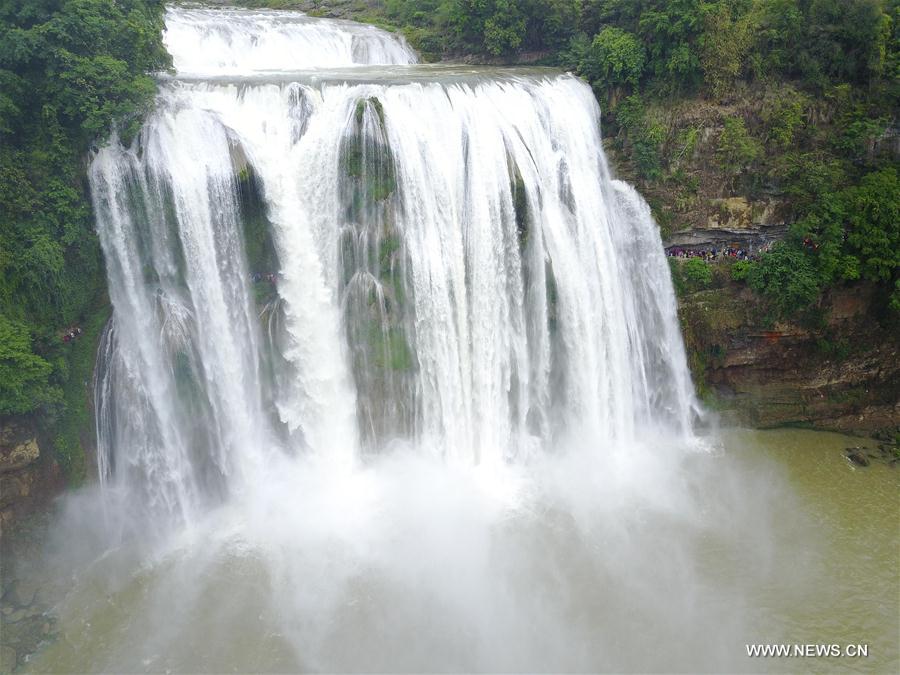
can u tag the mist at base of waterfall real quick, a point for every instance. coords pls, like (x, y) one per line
(629, 559)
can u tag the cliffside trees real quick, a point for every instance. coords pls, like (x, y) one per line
(69, 71)
(615, 57)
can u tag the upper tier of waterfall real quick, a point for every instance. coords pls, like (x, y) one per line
(224, 41)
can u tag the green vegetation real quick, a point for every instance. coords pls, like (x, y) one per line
(74, 428)
(366, 157)
(70, 70)
(641, 137)
(614, 57)
(737, 148)
(24, 374)
(691, 275)
(848, 234)
(390, 349)
(787, 277)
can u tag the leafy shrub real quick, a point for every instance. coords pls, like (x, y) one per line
(23, 374)
(697, 273)
(740, 270)
(691, 275)
(783, 116)
(737, 149)
(873, 224)
(644, 136)
(615, 57)
(787, 277)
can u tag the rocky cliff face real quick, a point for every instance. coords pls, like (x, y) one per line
(843, 374)
(839, 372)
(27, 478)
(733, 222)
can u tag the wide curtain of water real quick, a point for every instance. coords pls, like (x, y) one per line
(394, 381)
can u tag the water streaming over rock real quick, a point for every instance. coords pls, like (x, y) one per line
(394, 383)
(332, 261)
(226, 41)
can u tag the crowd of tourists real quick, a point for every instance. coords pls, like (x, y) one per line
(715, 253)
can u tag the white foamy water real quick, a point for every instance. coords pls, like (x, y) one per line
(456, 269)
(225, 41)
(394, 381)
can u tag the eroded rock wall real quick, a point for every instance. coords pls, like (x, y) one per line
(843, 374)
(27, 478)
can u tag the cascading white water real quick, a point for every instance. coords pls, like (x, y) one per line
(394, 383)
(381, 333)
(229, 42)
(456, 268)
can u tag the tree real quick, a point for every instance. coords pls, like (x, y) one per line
(69, 71)
(787, 276)
(504, 30)
(496, 26)
(23, 374)
(724, 44)
(873, 224)
(737, 150)
(551, 23)
(669, 30)
(615, 57)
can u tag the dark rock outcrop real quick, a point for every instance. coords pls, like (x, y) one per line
(734, 222)
(858, 456)
(27, 477)
(843, 375)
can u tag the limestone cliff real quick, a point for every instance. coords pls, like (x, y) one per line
(842, 374)
(27, 477)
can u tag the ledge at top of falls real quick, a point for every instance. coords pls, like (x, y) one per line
(244, 47)
(236, 41)
(446, 74)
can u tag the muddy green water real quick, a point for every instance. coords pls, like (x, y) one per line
(845, 587)
(817, 565)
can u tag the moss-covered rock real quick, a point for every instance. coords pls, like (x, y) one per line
(366, 156)
(259, 247)
(832, 376)
(520, 205)
(375, 290)
(390, 349)
(73, 434)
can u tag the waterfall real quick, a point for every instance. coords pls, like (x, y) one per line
(316, 248)
(394, 382)
(224, 41)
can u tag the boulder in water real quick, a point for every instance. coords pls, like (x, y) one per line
(858, 456)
